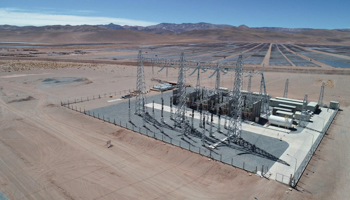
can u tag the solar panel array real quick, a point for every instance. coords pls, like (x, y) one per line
(228, 52)
(276, 58)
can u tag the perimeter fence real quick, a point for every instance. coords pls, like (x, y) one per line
(204, 151)
(299, 172)
(99, 96)
(208, 152)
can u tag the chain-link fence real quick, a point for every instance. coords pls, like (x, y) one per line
(208, 152)
(305, 162)
(202, 150)
(98, 96)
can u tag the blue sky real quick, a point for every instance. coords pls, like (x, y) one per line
(253, 13)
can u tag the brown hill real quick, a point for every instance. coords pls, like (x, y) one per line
(101, 34)
(261, 35)
(81, 34)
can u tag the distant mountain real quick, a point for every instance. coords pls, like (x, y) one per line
(168, 27)
(179, 28)
(80, 34)
(283, 30)
(169, 32)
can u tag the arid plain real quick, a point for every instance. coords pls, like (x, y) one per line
(51, 152)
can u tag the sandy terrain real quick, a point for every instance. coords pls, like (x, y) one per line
(50, 152)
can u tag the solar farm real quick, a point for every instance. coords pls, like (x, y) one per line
(287, 55)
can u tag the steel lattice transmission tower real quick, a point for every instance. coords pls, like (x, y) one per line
(264, 97)
(320, 99)
(140, 87)
(285, 95)
(181, 95)
(303, 116)
(235, 125)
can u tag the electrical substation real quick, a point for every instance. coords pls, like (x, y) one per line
(274, 137)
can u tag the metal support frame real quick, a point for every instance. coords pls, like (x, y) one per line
(249, 100)
(304, 114)
(320, 99)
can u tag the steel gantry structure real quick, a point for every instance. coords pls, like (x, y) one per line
(140, 87)
(235, 124)
(225, 67)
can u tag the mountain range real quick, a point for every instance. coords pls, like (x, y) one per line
(165, 32)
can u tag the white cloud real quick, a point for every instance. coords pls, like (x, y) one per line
(18, 17)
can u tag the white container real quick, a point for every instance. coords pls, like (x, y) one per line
(280, 121)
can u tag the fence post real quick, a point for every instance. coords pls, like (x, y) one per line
(243, 165)
(232, 161)
(189, 146)
(221, 157)
(139, 129)
(126, 125)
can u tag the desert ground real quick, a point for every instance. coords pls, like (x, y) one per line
(51, 152)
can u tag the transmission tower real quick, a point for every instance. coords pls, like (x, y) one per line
(303, 116)
(235, 124)
(140, 88)
(285, 95)
(181, 96)
(320, 99)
